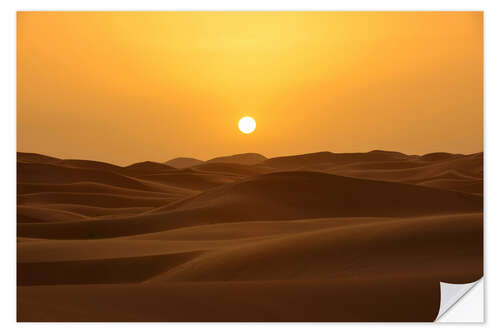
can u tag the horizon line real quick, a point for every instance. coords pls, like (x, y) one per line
(230, 155)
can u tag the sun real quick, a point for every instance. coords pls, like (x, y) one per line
(247, 125)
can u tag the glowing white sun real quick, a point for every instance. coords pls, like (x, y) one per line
(247, 125)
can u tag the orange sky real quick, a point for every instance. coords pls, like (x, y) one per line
(127, 87)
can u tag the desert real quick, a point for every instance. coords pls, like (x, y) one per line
(315, 237)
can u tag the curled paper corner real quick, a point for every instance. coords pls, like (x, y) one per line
(451, 293)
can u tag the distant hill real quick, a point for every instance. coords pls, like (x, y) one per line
(147, 167)
(35, 158)
(70, 163)
(247, 159)
(326, 159)
(183, 162)
(440, 156)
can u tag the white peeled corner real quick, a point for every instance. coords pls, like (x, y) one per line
(452, 293)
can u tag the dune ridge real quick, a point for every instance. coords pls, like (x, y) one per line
(183, 162)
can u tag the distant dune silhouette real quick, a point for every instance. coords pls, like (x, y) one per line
(315, 237)
(183, 162)
(247, 158)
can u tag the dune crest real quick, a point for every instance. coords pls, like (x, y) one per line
(183, 162)
(247, 159)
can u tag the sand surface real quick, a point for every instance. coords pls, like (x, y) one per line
(314, 237)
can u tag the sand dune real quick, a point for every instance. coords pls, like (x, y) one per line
(30, 214)
(86, 164)
(92, 187)
(296, 301)
(247, 158)
(330, 258)
(294, 195)
(460, 185)
(73, 163)
(183, 162)
(315, 237)
(253, 229)
(116, 270)
(53, 174)
(318, 161)
(431, 170)
(46, 250)
(187, 179)
(465, 167)
(277, 196)
(393, 166)
(407, 247)
(146, 168)
(35, 158)
(439, 156)
(91, 211)
(233, 169)
(91, 199)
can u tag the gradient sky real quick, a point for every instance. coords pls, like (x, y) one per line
(128, 87)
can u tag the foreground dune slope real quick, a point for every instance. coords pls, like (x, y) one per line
(358, 269)
(404, 247)
(350, 300)
(34, 214)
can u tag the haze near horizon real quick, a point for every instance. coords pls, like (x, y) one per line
(129, 87)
